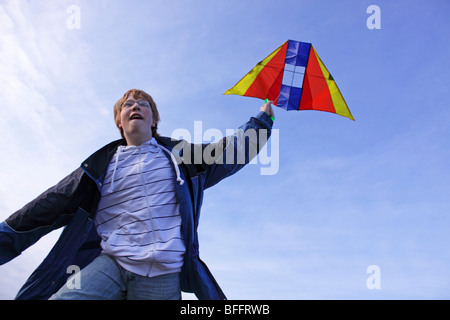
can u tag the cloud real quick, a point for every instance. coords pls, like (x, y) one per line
(41, 124)
(45, 85)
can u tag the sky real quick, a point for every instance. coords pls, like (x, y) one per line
(350, 209)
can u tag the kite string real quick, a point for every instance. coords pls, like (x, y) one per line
(276, 99)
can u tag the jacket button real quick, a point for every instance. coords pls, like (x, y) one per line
(85, 165)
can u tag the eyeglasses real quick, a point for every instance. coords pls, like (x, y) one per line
(141, 103)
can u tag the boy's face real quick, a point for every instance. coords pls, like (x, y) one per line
(136, 120)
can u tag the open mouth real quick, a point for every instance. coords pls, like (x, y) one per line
(136, 117)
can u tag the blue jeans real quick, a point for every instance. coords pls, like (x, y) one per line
(105, 279)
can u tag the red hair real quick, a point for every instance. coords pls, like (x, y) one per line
(137, 94)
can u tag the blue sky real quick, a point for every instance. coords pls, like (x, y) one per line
(347, 194)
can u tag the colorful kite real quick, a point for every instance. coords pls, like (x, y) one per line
(294, 78)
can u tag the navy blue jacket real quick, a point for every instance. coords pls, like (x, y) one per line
(72, 204)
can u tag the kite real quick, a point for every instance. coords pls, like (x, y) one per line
(294, 78)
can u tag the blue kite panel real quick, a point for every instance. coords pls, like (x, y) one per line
(291, 53)
(294, 99)
(303, 54)
(297, 53)
(289, 98)
(283, 99)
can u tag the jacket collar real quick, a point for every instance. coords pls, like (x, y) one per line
(97, 163)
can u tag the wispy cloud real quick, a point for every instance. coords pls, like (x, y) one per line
(43, 68)
(40, 62)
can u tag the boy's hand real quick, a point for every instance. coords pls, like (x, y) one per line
(267, 108)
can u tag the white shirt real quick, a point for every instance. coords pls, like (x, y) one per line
(138, 216)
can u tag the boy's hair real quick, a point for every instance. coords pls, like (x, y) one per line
(137, 94)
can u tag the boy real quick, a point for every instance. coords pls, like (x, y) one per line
(130, 212)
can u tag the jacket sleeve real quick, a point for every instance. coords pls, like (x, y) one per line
(51, 210)
(226, 157)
